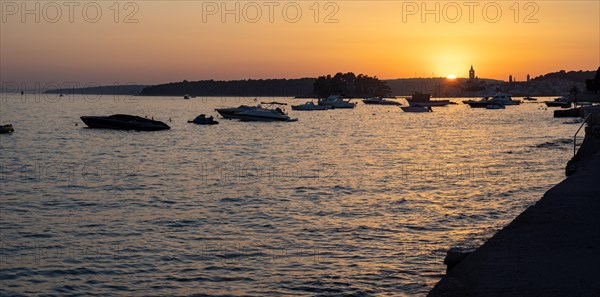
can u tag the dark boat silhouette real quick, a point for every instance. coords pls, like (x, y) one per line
(424, 100)
(564, 102)
(203, 120)
(124, 122)
(6, 129)
(380, 101)
(269, 113)
(483, 103)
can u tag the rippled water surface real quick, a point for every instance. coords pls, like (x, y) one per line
(359, 202)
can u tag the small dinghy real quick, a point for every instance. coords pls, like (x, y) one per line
(6, 129)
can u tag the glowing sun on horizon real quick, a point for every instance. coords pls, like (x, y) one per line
(451, 76)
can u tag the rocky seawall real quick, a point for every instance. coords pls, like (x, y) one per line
(551, 249)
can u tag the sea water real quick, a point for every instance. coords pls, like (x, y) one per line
(348, 202)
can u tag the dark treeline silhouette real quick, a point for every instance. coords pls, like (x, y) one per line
(100, 90)
(238, 88)
(576, 76)
(593, 85)
(349, 84)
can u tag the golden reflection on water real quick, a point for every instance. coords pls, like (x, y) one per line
(364, 200)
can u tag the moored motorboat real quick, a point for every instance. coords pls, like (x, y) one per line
(564, 102)
(124, 122)
(529, 98)
(336, 101)
(203, 120)
(230, 112)
(380, 101)
(416, 109)
(310, 106)
(420, 99)
(495, 105)
(271, 113)
(483, 103)
(6, 129)
(505, 99)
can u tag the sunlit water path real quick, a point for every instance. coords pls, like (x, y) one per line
(361, 202)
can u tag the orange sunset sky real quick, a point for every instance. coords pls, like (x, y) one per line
(150, 42)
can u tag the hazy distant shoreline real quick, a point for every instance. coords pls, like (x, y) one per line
(552, 84)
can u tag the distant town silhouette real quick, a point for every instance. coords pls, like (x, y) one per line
(360, 85)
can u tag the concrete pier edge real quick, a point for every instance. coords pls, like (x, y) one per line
(552, 248)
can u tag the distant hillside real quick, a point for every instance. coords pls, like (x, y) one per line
(548, 84)
(303, 87)
(239, 88)
(436, 86)
(575, 76)
(101, 90)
